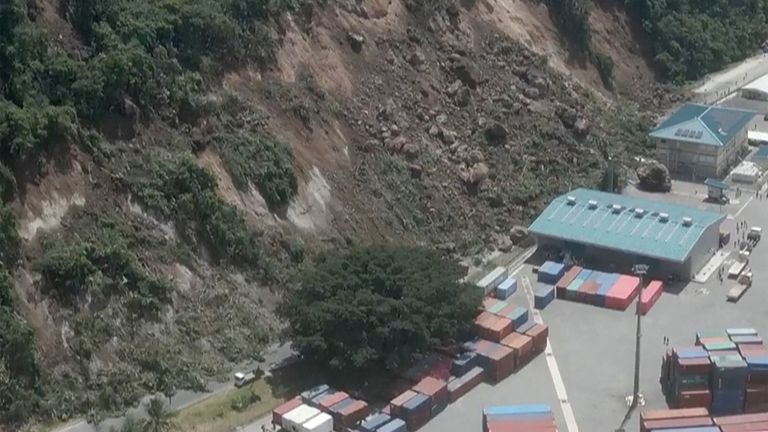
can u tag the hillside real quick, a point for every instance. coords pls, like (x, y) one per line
(169, 166)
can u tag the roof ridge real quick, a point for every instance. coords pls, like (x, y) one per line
(715, 135)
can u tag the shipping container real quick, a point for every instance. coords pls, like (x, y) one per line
(622, 292)
(464, 364)
(396, 425)
(373, 422)
(350, 414)
(460, 386)
(492, 302)
(319, 423)
(522, 346)
(434, 388)
(670, 414)
(543, 296)
(566, 280)
(651, 425)
(538, 334)
(314, 392)
(506, 288)
(650, 295)
(492, 327)
(703, 334)
(491, 280)
(279, 412)
(691, 352)
(526, 326)
(329, 400)
(747, 340)
(550, 272)
(588, 292)
(397, 403)
(741, 332)
(294, 419)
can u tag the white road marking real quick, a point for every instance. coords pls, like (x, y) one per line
(554, 370)
(743, 207)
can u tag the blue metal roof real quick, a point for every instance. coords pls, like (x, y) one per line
(717, 184)
(635, 226)
(702, 124)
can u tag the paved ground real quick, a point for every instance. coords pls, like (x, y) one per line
(720, 85)
(594, 347)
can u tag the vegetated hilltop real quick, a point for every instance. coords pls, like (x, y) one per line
(168, 166)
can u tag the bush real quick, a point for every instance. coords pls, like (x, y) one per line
(243, 400)
(9, 237)
(259, 159)
(378, 306)
(19, 370)
(604, 65)
(184, 192)
(572, 19)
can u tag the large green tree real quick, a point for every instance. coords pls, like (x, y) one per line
(377, 306)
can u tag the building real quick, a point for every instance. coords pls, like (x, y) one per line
(756, 90)
(616, 231)
(702, 141)
(716, 190)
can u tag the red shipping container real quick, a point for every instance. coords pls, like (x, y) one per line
(566, 280)
(482, 322)
(499, 329)
(694, 398)
(351, 415)
(693, 365)
(332, 399)
(740, 419)
(539, 334)
(622, 292)
(712, 340)
(587, 292)
(520, 426)
(279, 412)
(396, 404)
(501, 364)
(668, 414)
(675, 423)
(522, 346)
(435, 388)
(650, 295)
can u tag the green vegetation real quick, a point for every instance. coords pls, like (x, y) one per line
(182, 191)
(377, 306)
(691, 38)
(572, 18)
(604, 65)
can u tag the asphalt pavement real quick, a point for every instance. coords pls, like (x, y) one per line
(274, 356)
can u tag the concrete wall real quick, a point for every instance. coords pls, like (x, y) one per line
(754, 94)
(708, 244)
(698, 160)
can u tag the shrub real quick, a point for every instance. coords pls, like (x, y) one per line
(259, 159)
(604, 65)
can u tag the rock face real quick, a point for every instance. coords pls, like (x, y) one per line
(654, 177)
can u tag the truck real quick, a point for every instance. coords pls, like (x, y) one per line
(744, 282)
(754, 234)
(244, 378)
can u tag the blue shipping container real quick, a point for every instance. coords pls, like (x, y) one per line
(692, 352)
(517, 409)
(506, 288)
(464, 363)
(314, 392)
(544, 295)
(418, 402)
(518, 316)
(396, 425)
(741, 332)
(371, 423)
(526, 326)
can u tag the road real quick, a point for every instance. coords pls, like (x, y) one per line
(721, 85)
(274, 355)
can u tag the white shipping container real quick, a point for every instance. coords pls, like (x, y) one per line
(320, 423)
(493, 279)
(293, 420)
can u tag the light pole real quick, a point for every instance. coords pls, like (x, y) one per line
(639, 270)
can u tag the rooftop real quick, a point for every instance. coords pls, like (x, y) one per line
(717, 184)
(760, 85)
(627, 224)
(702, 124)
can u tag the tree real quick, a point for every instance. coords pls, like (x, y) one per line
(377, 306)
(159, 418)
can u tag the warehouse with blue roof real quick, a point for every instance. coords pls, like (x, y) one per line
(622, 231)
(702, 141)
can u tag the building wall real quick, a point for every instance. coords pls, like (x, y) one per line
(701, 160)
(601, 258)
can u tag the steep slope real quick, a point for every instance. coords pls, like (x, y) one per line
(155, 245)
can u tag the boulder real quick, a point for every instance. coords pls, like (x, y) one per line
(496, 133)
(448, 137)
(453, 88)
(568, 116)
(581, 127)
(478, 173)
(417, 59)
(462, 98)
(518, 234)
(356, 40)
(654, 177)
(466, 72)
(532, 93)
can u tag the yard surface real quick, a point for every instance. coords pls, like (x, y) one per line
(594, 348)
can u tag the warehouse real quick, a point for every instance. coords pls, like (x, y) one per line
(702, 141)
(617, 231)
(756, 90)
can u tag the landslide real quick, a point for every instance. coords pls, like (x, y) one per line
(168, 167)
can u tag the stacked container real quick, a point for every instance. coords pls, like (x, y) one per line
(348, 412)
(518, 315)
(322, 422)
(543, 296)
(522, 348)
(729, 383)
(417, 411)
(293, 420)
(519, 418)
(492, 327)
(562, 285)
(314, 393)
(497, 360)
(742, 422)
(374, 422)
(550, 272)
(687, 377)
(279, 412)
(676, 419)
(396, 425)
(538, 334)
(459, 386)
(437, 390)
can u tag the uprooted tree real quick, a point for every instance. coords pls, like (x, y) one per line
(377, 306)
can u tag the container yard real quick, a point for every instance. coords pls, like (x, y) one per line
(580, 362)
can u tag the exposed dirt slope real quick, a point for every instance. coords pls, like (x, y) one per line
(446, 130)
